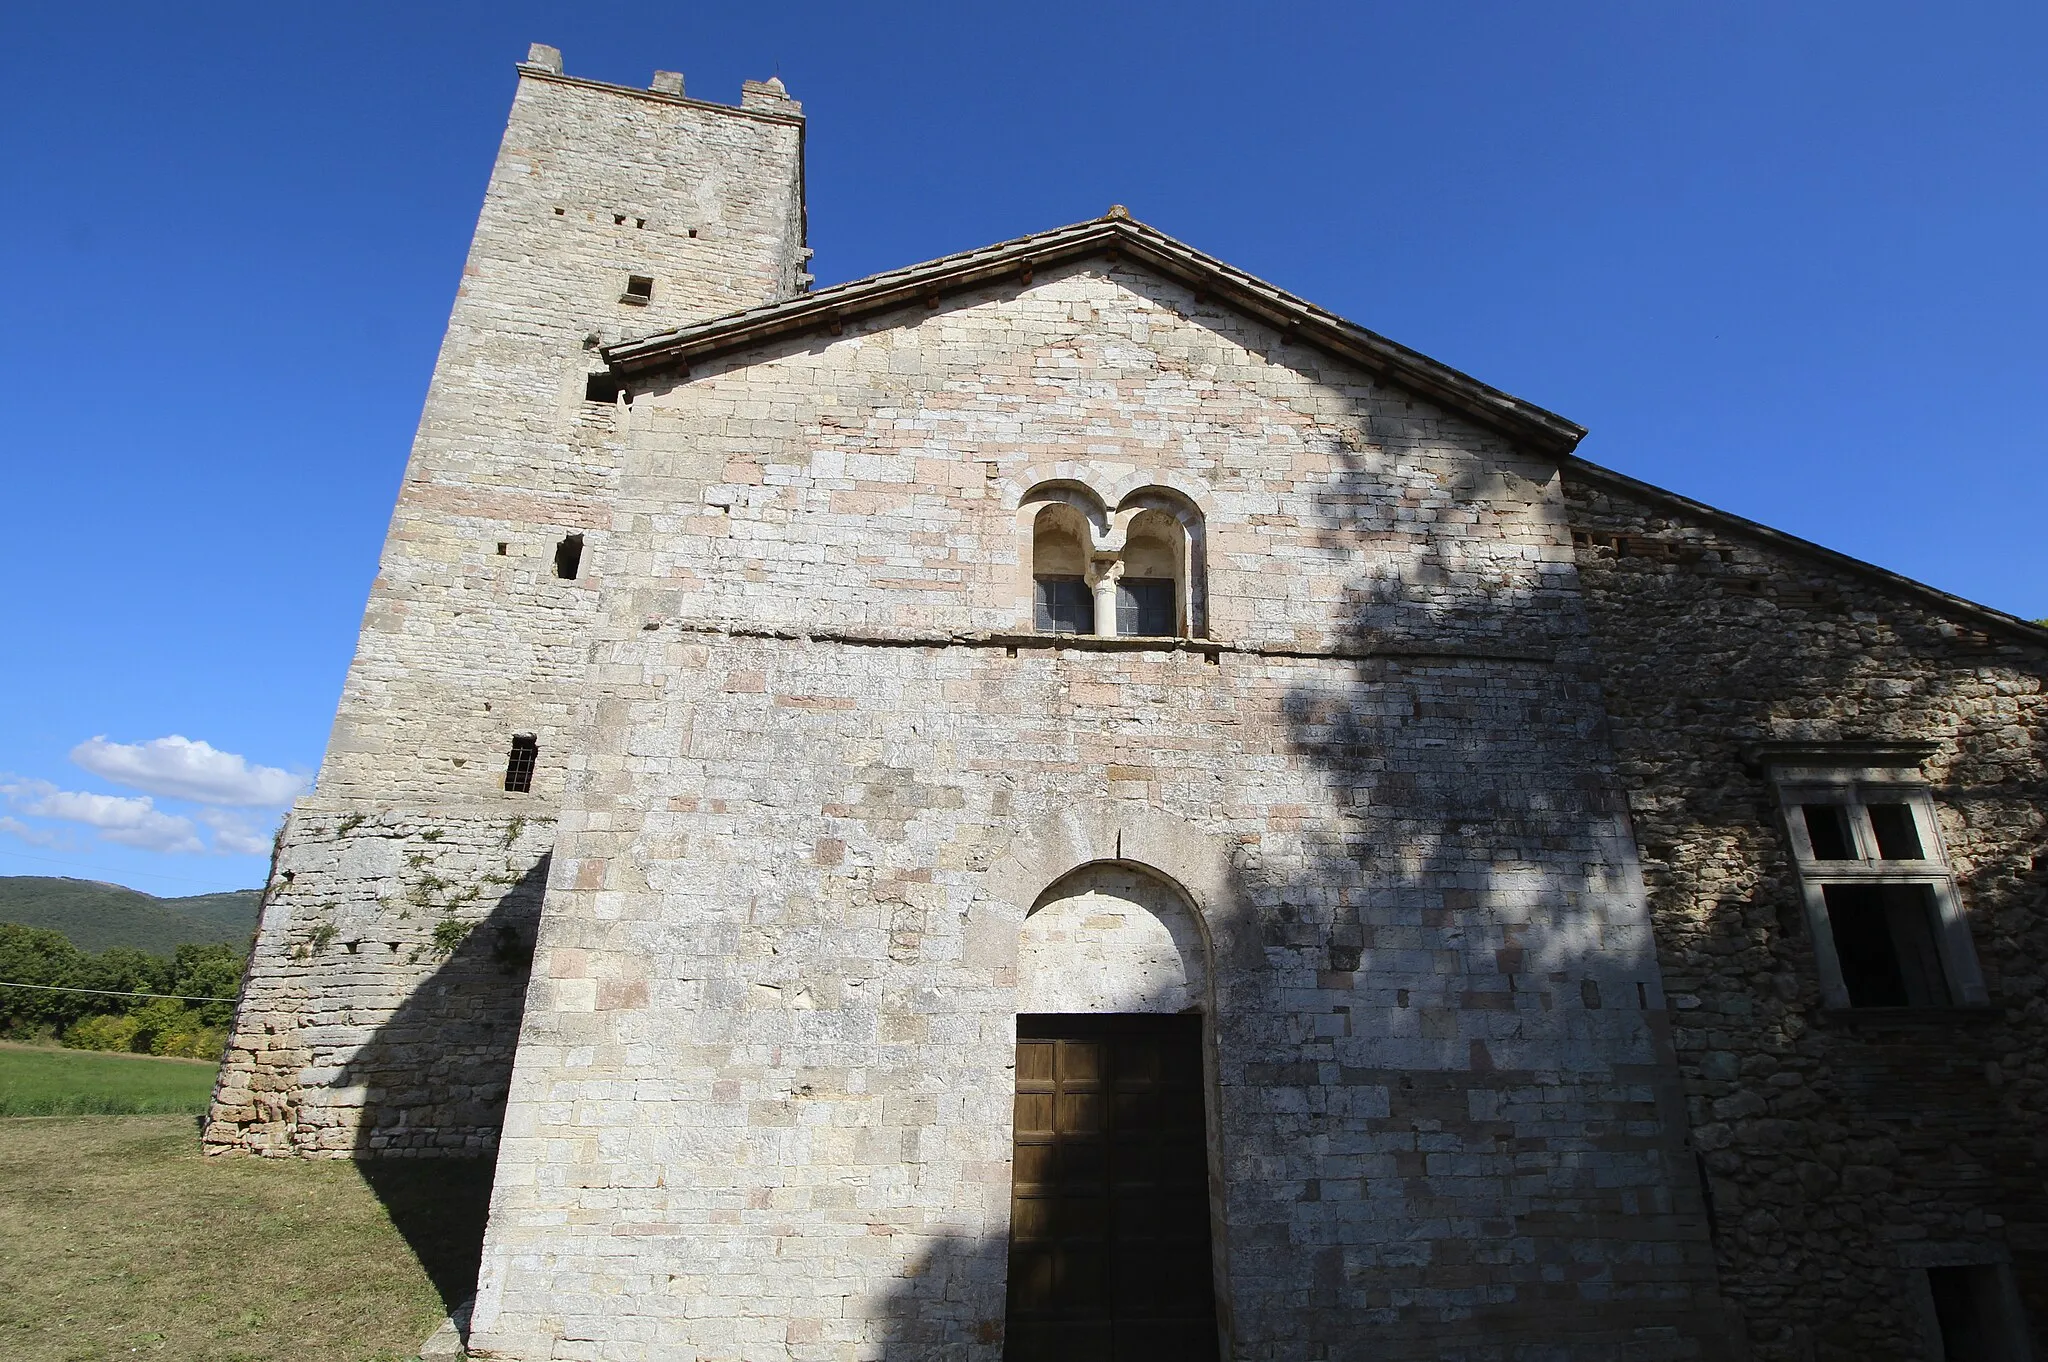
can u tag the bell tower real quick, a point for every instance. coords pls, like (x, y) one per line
(382, 1003)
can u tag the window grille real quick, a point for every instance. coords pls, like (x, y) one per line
(1145, 607)
(519, 765)
(1063, 605)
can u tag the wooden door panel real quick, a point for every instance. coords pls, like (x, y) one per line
(1109, 1210)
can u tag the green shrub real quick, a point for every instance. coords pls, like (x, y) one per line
(168, 1027)
(102, 1033)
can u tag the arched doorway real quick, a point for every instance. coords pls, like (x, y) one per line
(1109, 1204)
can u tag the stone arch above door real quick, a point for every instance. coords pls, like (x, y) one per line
(1112, 937)
(1054, 844)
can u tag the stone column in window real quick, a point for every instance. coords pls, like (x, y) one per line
(1102, 581)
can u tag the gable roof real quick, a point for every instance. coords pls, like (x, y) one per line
(1523, 422)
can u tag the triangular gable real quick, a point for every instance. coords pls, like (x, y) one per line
(1986, 617)
(1523, 422)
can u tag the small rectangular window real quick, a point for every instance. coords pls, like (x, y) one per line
(1884, 937)
(1063, 605)
(1897, 838)
(519, 765)
(639, 289)
(569, 557)
(1144, 607)
(1827, 827)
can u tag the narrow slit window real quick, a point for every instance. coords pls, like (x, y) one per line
(569, 557)
(639, 289)
(1144, 607)
(1884, 937)
(519, 765)
(1827, 827)
(1063, 605)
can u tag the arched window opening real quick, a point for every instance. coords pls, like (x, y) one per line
(569, 557)
(1150, 591)
(1062, 601)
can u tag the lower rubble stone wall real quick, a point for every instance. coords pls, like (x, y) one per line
(381, 1007)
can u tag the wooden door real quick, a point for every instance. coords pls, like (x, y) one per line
(1109, 1202)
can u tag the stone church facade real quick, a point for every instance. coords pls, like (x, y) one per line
(1063, 802)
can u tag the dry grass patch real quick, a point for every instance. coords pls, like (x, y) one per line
(122, 1242)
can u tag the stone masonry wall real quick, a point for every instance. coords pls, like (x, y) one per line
(1843, 1151)
(360, 1032)
(749, 1121)
(384, 994)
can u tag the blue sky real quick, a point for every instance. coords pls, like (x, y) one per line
(1785, 258)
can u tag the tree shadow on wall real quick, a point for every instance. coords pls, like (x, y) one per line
(1474, 810)
(435, 1077)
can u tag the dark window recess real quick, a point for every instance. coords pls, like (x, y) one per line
(639, 289)
(1976, 1321)
(1884, 939)
(1897, 838)
(1144, 607)
(569, 557)
(1109, 1202)
(1827, 827)
(519, 766)
(606, 388)
(1063, 605)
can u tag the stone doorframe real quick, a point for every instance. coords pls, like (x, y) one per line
(1197, 863)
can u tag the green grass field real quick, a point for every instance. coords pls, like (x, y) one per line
(122, 1241)
(46, 1081)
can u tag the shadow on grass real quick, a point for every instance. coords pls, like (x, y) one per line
(440, 1206)
(435, 1075)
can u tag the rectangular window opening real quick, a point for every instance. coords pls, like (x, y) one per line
(1897, 838)
(1885, 941)
(1144, 607)
(569, 557)
(639, 289)
(1971, 1309)
(606, 388)
(1063, 605)
(1827, 827)
(519, 765)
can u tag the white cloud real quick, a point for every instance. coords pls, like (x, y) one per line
(183, 769)
(34, 836)
(235, 835)
(130, 820)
